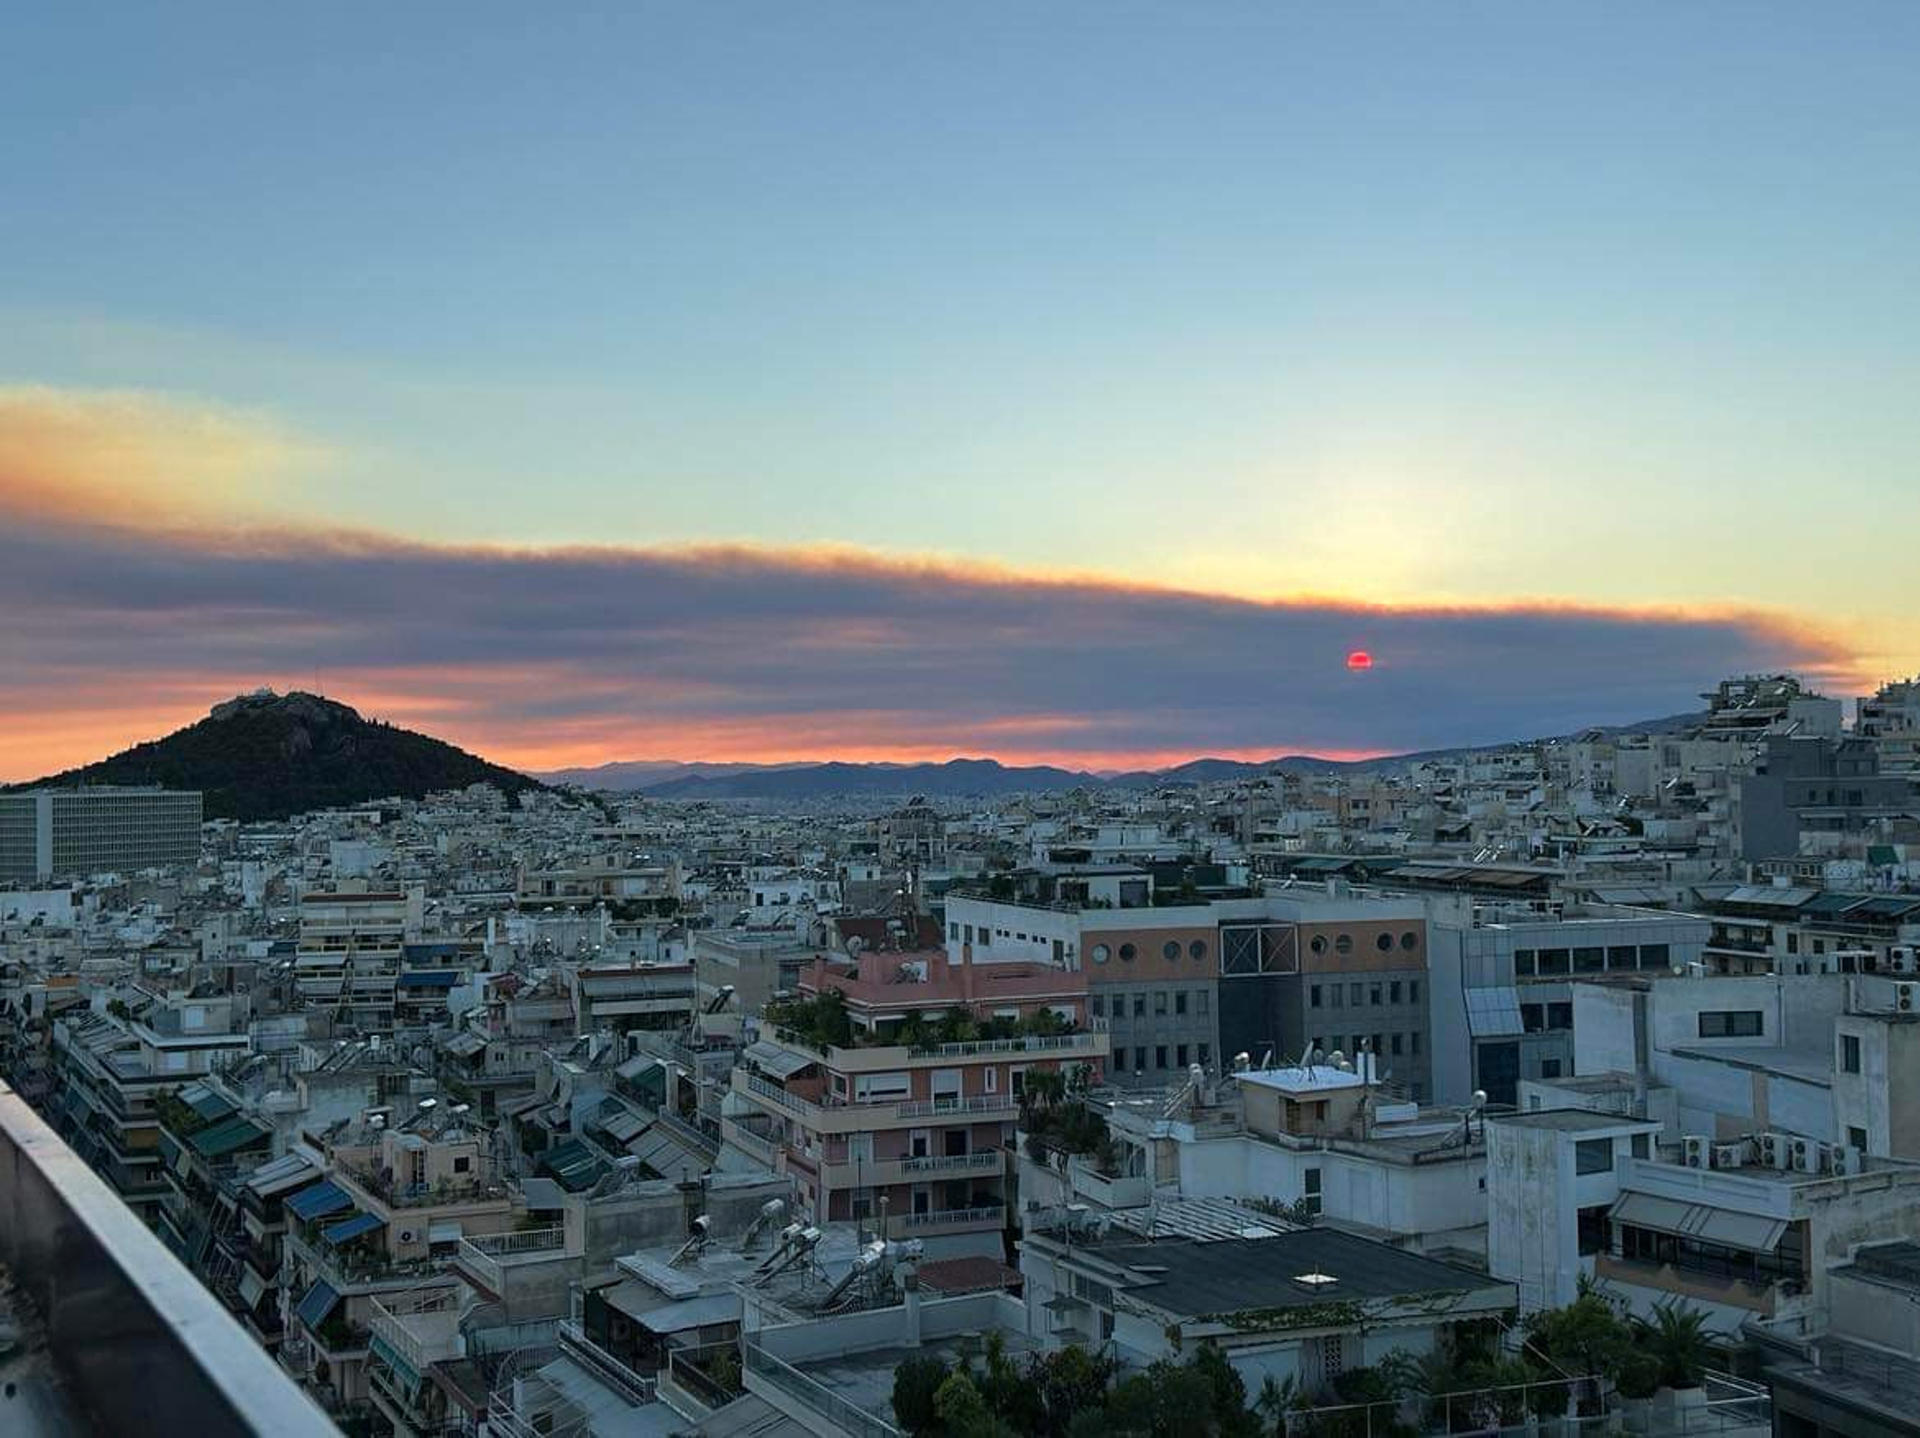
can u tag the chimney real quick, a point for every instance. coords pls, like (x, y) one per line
(910, 1290)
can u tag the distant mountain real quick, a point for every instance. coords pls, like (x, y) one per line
(626, 775)
(988, 778)
(268, 756)
(955, 779)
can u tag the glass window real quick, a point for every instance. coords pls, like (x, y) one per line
(1179, 1055)
(1554, 961)
(1336, 995)
(1197, 950)
(1343, 944)
(1413, 1043)
(1622, 956)
(1384, 943)
(1730, 1024)
(1127, 953)
(1202, 1001)
(1313, 996)
(1533, 1018)
(1413, 991)
(1857, 1138)
(1593, 1155)
(1096, 1005)
(1159, 1056)
(1139, 1006)
(1393, 992)
(1318, 943)
(1119, 1060)
(1850, 1055)
(1206, 1053)
(1549, 1068)
(1356, 993)
(1395, 1040)
(1523, 964)
(1099, 953)
(1373, 995)
(1160, 1001)
(1310, 1189)
(1589, 960)
(1559, 1017)
(1409, 941)
(1180, 1002)
(1639, 1146)
(1653, 956)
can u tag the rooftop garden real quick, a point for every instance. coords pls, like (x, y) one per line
(1059, 1122)
(823, 1022)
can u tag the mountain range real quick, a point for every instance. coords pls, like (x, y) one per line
(268, 756)
(985, 778)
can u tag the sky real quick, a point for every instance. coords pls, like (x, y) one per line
(1064, 382)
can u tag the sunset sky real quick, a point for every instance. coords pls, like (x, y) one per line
(1057, 382)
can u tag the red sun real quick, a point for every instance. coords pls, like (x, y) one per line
(1359, 660)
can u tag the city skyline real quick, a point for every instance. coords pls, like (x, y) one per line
(948, 365)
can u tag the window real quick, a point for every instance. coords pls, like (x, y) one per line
(1559, 1017)
(1523, 963)
(1197, 950)
(1128, 953)
(1318, 943)
(1313, 997)
(1554, 961)
(1139, 1006)
(1395, 1040)
(1202, 1003)
(1100, 953)
(1849, 1054)
(1206, 1054)
(1549, 1068)
(1409, 941)
(1373, 995)
(1857, 1138)
(1384, 943)
(1533, 1018)
(1096, 1005)
(1413, 991)
(1355, 994)
(1622, 956)
(993, 1080)
(1336, 995)
(463, 1164)
(1180, 1002)
(1653, 956)
(1310, 1188)
(1640, 1146)
(953, 930)
(970, 933)
(1592, 1230)
(1593, 1155)
(1393, 992)
(1413, 1044)
(1159, 1056)
(1119, 1059)
(1180, 1055)
(1730, 1024)
(1589, 960)
(1793, 941)
(1160, 1002)
(1343, 944)
(1170, 951)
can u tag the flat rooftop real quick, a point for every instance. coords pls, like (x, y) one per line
(865, 1379)
(1321, 1078)
(1571, 1120)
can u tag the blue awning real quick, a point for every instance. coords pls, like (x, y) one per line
(429, 978)
(349, 1229)
(319, 1301)
(319, 1201)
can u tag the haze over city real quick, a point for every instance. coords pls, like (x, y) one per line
(1075, 384)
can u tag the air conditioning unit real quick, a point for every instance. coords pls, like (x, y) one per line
(406, 1235)
(1846, 1159)
(1901, 959)
(1731, 1155)
(1775, 1151)
(1805, 1155)
(1698, 1149)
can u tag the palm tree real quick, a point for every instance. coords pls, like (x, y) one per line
(1676, 1337)
(1278, 1398)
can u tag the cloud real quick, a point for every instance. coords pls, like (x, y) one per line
(126, 621)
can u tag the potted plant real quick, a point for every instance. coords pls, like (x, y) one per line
(1676, 1339)
(1635, 1380)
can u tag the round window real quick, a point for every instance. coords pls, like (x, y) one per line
(1100, 953)
(1319, 944)
(1343, 944)
(1383, 943)
(1170, 950)
(1409, 941)
(1127, 952)
(1197, 950)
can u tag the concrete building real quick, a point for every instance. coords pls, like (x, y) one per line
(58, 833)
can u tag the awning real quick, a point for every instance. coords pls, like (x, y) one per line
(349, 1229)
(573, 1164)
(1493, 1013)
(223, 1138)
(542, 1194)
(444, 1230)
(319, 1201)
(465, 1045)
(204, 1101)
(429, 978)
(775, 1061)
(289, 1170)
(663, 1151)
(623, 1123)
(251, 1286)
(319, 1301)
(1754, 1232)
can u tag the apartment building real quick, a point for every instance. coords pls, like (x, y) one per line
(49, 833)
(889, 1124)
(351, 950)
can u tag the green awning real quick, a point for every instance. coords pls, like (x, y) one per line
(223, 1138)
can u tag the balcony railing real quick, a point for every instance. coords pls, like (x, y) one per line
(840, 1114)
(485, 1258)
(988, 1215)
(634, 1387)
(843, 1415)
(118, 1309)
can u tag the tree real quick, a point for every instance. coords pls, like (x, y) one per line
(1278, 1398)
(1676, 1339)
(963, 1412)
(915, 1383)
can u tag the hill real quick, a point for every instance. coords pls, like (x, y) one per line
(268, 756)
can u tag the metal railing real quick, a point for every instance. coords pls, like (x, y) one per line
(633, 1387)
(823, 1400)
(519, 1241)
(957, 1217)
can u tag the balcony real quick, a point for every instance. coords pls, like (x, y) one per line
(854, 1118)
(118, 1309)
(759, 1145)
(957, 1220)
(883, 1171)
(420, 1328)
(1761, 1297)
(633, 1387)
(886, 1057)
(486, 1259)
